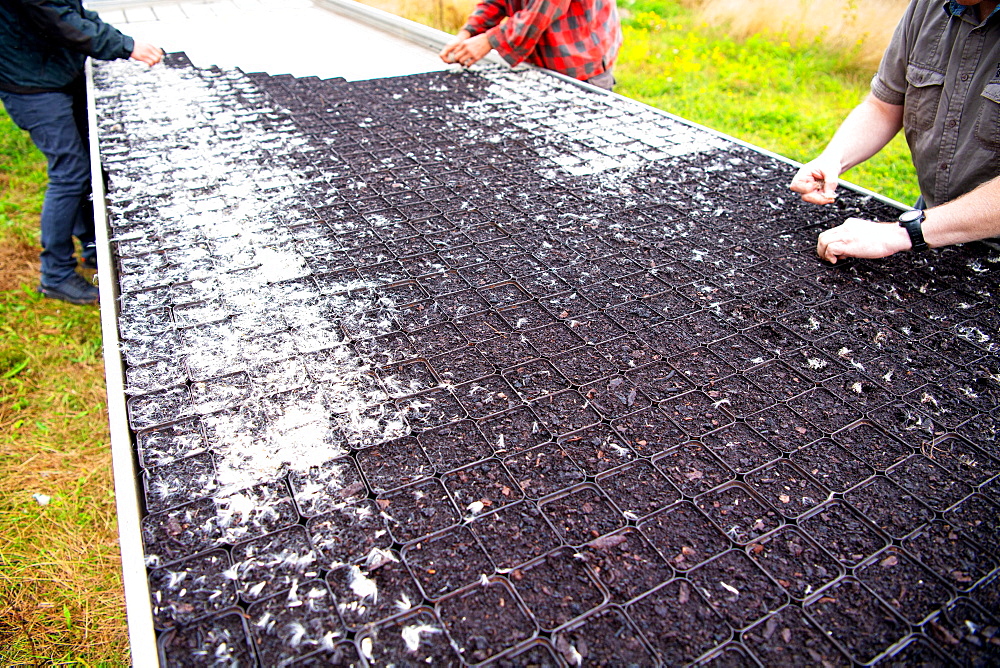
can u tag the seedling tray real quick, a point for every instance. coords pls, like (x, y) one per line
(488, 368)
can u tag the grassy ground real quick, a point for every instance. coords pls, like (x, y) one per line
(60, 592)
(761, 89)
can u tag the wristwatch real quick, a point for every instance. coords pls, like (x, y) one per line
(910, 221)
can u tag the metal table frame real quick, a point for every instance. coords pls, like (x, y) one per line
(127, 477)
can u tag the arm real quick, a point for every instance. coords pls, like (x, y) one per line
(865, 131)
(514, 40)
(84, 33)
(973, 216)
(486, 15)
(517, 38)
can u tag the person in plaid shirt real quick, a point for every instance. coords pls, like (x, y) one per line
(579, 38)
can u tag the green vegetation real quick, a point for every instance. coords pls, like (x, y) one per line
(764, 91)
(60, 591)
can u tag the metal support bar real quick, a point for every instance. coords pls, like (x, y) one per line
(395, 25)
(142, 639)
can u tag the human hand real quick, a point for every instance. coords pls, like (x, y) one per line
(147, 53)
(856, 237)
(447, 52)
(469, 51)
(817, 180)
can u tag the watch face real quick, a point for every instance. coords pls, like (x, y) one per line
(913, 214)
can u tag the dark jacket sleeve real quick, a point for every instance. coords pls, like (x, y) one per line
(82, 31)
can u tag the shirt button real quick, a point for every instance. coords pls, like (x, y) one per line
(952, 123)
(943, 166)
(965, 77)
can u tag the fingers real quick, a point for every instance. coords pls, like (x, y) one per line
(831, 251)
(819, 197)
(803, 182)
(460, 54)
(454, 51)
(829, 187)
(857, 237)
(447, 53)
(147, 53)
(816, 184)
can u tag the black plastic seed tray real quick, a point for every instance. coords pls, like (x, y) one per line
(485, 368)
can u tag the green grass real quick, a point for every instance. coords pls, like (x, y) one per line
(763, 91)
(60, 587)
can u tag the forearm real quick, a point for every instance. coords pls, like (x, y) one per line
(516, 39)
(487, 14)
(865, 131)
(973, 216)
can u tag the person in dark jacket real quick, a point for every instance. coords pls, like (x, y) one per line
(43, 47)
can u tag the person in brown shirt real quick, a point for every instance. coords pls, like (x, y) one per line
(939, 81)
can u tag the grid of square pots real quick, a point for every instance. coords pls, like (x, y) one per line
(483, 368)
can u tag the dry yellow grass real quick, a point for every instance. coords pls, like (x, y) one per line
(448, 15)
(61, 599)
(60, 592)
(858, 27)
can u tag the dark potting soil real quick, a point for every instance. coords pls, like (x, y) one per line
(847, 606)
(446, 562)
(789, 638)
(417, 510)
(582, 515)
(795, 562)
(485, 620)
(678, 623)
(367, 594)
(738, 590)
(638, 489)
(515, 534)
(557, 588)
(843, 532)
(348, 534)
(604, 638)
(741, 515)
(192, 589)
(295, 623)
(417, 635)
(940, 547)
(902, 582)
(224, 637)
(899, 517)
(684, 536)
(518, 356)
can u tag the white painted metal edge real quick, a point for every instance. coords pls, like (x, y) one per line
(138, 607)
(417, 33)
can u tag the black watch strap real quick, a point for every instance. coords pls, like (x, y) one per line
(911, 222)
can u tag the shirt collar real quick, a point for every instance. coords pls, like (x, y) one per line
(956, 9)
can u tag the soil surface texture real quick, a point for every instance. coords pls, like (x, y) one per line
(484, 367)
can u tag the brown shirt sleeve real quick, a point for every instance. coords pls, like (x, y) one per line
(944, 70)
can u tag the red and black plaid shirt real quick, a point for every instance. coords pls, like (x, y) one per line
(579, 38)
